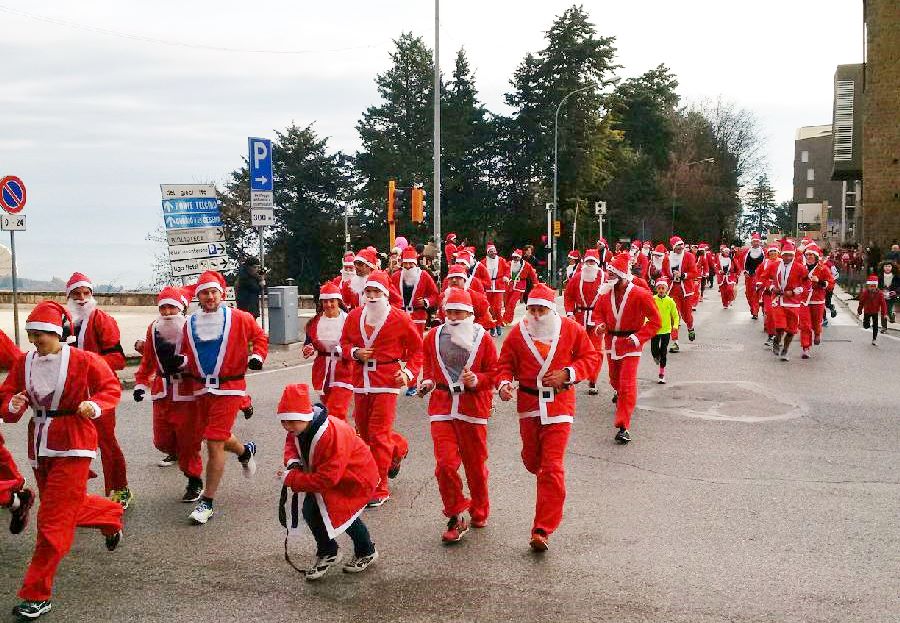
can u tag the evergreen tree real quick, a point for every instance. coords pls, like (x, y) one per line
(759, 210)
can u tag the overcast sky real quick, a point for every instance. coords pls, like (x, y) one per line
(97, 110)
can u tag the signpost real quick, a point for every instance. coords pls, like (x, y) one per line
(12, 200)
(262, 199)
(194, 229)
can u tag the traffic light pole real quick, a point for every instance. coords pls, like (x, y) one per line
(437, 134)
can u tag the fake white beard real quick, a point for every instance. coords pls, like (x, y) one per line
(725, 261)
(410, 276)
(515, 266)
(493, 264)
(589, 272)
(462, 332)
(645, 251)
(755, 252)
(543, 328)
(170, 328)
(209, 325)
(81, 311)
(329, 330)
(657, 262)
(347, 275)
(377, 310)
(358, 283)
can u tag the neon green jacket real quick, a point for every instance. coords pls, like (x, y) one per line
(668, 313)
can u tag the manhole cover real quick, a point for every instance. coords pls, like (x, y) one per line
(720, 347)
(736, 401)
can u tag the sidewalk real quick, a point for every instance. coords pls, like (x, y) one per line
(851, 303)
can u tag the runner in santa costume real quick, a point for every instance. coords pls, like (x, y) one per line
(640, 256)
(176, 431)
(214, 352)
(325, 460)
(573, 265)
(97, 332)
(752, 260)
(386, 348)
(683, 274)
(603, 252)
(332, 375)
(764, 275)
(658, 266)
(498, 277)
(365, 262)
(347, 269)
(416, 287)
(457, 278)
(547, 354)
(726, 275)
(450, 249)
(702, 259)
(628, 317)
(479, 278)
(580, 300)
(9, 351)
(458, 368)
(811, 314)
(66, 388)
(520, 274)
(13, 494)
(789, 284)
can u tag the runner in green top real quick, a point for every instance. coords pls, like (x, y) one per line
(668, 313)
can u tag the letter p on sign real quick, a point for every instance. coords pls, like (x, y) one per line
(260, 158)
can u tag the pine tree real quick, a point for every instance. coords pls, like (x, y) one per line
(759, 209)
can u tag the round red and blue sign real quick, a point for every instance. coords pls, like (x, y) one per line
(12, 194)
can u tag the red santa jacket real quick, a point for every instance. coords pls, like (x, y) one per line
(58, 431)
(473, 285)
(330, 368)
(449, 401)
(241, 333)
(818, 287)
(687, 270)
(726, 269)
(151, 378)
(424, 288)
(481, 275)
(791, 283)
(499, 278)
(519, 281)
(9, 352)
(481, 306)
(521, 359)
(580, 297)
(341, 473)
(702, 264)
(872, 302)
(630, 320)
(99, 333)
(396, 340)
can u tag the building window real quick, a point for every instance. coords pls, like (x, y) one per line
(804, 156)
(810, 175)
(810, 192)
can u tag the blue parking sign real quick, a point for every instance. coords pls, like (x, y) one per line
(260, 159)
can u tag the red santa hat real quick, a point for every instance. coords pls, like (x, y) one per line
(517, 254)
(457, 270)
(368, 256)
(541, 294)
(772, 249)
(591, 255)
(872, 280)
(603, 242)
(661, 280)
(788, 247)
(635, 244)
(647, 244)
(674, 241)
(329, 291)
(349, 257)
(294, 404)
(409, 255)
(659, 250)
(814, 249)
(754, 236)
(574, 254)
(491, 247)
(48, 316)
(170, 295)
(621, 265)
(450, 237)
(78, 280)
(379, 279)
(458, 299)
(210, 279)
(464, 257)
(187, 292)
(724, 249)
(704, 246)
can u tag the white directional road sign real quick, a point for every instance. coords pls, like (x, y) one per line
(189, 268)
(193, 229)
(262, 199)
(195, 236)
(184, 191)
(262, 217)
(12, 222)
(196, 251)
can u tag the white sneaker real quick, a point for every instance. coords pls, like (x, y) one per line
(249, 466)
(358, 565)
(662, 379)
(874, 343)
(201, 513)
(167, 461)
(320, 567)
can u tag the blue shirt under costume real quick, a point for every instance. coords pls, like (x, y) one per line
(208, 350)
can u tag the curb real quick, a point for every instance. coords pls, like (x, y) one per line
(845, 300)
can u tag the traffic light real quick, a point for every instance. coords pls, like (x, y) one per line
(418, 205)
(391, 198)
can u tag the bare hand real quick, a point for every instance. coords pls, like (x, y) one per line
(556, 379)
(364, 354)
(139, 346)
(19, 401)
(308, 351)
(400, 378)
(424, 388)
(600, 329)
(468, 378)
(85, 410)
(506, 392)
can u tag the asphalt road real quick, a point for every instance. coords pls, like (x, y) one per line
(754, 490)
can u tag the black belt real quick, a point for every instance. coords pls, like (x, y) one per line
(579, 308)
(327, 354)
(534, 391)
(621, 333)
(115, 349)
(56, 412)
(220, 379)
(381, 363)
(448, 389)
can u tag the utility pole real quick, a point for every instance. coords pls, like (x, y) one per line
(437, 134)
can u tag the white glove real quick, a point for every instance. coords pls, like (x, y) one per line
(798, 290)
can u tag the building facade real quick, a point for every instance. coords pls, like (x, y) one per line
(813, 164)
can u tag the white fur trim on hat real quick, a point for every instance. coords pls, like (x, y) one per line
(459, 307)
(375, 284)
(360, 258)
(332, 295)
(543, 302)
(296, 417)
(172, 302)
(619, 273)
(44, 326)
(79, 284)
(208, 285)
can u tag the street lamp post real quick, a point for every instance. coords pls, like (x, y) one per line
(675, 187)
(437, 135)
(552, 267)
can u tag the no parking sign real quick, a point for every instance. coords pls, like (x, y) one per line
(12, 194)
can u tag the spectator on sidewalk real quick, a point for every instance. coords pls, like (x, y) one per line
(249, 286)
(894, 254)
(889, 284)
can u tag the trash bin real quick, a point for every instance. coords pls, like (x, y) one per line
(284, 325)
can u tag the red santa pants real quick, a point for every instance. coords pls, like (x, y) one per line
(726, 291)
(495, 301)
(751, 294)
(623, 378)
(176, 430)
(512, 299)
(810, 323)
(374, 416)
(216, 415)
(544, 453)
(64, 505)
(685, 308)
(769, 323)
(111, 457)
(337, 401)
(597, 341)
(10, 478)
(461, 443)
(786, 319)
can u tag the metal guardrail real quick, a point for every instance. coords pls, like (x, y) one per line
(852, 280)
